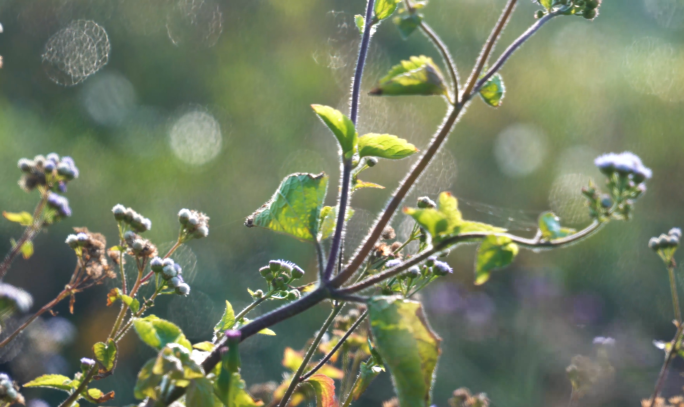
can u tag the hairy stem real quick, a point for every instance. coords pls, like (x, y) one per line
(309, 354)
(65, 293)
(446, 56)
(673, 289)
(84, 384)
(671, 354)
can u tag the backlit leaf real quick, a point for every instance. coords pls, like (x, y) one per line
(407, 24)
(550, 227)
(293, 359)
(495, 252)
(22, 218)
(340, 125)
(115, 294)
(493, 91)
(227, 320)
(329, 221)
(54, 381)
(385, 8)
(27, 249)
(385, 146)
(324, 388)
(295, 207)
(105, 353)
(360, 22)
(158, 333)
(200, 393)
(417, 76)
(407, 345)
(366, 375)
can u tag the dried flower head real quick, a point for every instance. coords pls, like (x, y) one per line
(94, 255)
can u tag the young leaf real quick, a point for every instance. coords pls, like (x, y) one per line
(550, 227)
(407, 24)
(547, 4)
(341, 126)
(115, 294)
(200, 393)
(495, 252)
(360, 22)
(22, 218)
(97, 396)
(446, 220)
(417, 76)
(27, 249)
(329, 220)
(295, 207)
(366, 375)
(385, 8)
(238, 395)
(105, 353)
(204, 346)
(245, 321)
(385, 146)
(407, 345)
(493, 91)
(157, 332)
(293, 359)
(358, 184)
(227, 320)
(54, 381)
(324, 388)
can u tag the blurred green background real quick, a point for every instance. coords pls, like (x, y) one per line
(205, 104)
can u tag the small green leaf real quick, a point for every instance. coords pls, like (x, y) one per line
(115, 294)
(205, 346)
(550, 227)
(27, 249)
(146, 385)
(359, 184)
(417, 76)
(341, 126)
(227, 320)
(493, 91)
(407, 24)
(547, 4)
(324, 388)
(360, 22)
(97, 396)
(385, 8)
(385, 146)
(407, 345)
(200, 393)
(105, 353)
(328, 221)
(495, 252)
(22, 218)
(267, 332)
(366, 375)
(54, 381)
(295, 207)
(158, 333)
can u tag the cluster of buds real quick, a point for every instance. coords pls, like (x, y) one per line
(626, 176)
(666, 244)
(463, 398)
(194, 224)
(171, 272)
(59, 204)
(8, 391)
(437, 267)
(584, 8)
(51, 170)
(13, 299)
(87, 364)
(139, 247)
(128, 216)
(280, 274)
(425, 202)
(91, 247)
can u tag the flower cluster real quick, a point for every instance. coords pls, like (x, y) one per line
(60, 205)
(626, 164)
(666, 244)
(139, 247)
(463, 398)
(194, 224)
(584, 8)
(8, 391)
(51, 171)
(280, 274)
(171, 272)
(91, 247)
(129, 217)
(13, 299)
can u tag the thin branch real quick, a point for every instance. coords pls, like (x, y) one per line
(446, 56)
(679, 335)
(337, 347)
(62, 295)
(488, 48)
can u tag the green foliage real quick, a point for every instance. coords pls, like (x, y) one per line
(115, 295)
(26, 249)
(407, 24)
(446, 220)
(54, 381)
(173, 363)
(417, 76)
(158, 333)
(295, 207)
(22, 218)
(385, 8)
(324, 388)
(227, 320)
(360, 22)
(367, 372)
(328, 221)
(493, 91)
(200, 393)
(495, 252)
(341, 126)
(385, 146)
(106, 353)
(407, 345)
(550, 227)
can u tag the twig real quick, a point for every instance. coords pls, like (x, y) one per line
(62, 295)
(446, 56)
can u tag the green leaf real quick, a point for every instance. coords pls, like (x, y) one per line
(237, 395)
(115, 294)
(407, 24)
(359, 184)
(547, 4)
(158, 333)
(324, 388)
(360, 22)
(54, 381)
(105, 353)
(267, 332)
(341, 126)
(493, 91)
(417, 76)
(385, 8)
(295, 207)
(146, 385)
(366, 375)
(550, 227)
(97, 396)
(328, 221)
(205, 346)
(385, 146)
(407, 345)
(495, 252)
(27, 249)
(200, 393)
(22, 218)
(227, 320)
(446, 220)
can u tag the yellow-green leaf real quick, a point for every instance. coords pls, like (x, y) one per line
(366, 375)
(385, 146)
(105, 353)
(360, 22)
(98, 396)
(550, 227)
(407, 24)
(54, 381)
(408, 346)
(200, 393)
(417, 76)
(324, 388)
(27, 249)
(227, 320)
(148, 382)
(293, 359)
(385, 8)
(495, 252)
(340, 125)
(158, 332)
(493, 91)
(22, 218)
(295, 207)
(205, 346)
(358, 184)
(329, 221)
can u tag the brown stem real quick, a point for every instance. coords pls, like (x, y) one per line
(65, 293)
(668, 359)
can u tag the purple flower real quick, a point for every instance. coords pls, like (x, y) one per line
(441, 268)
(87, 362)
(60, 203)
(392, 263)
(626, 163)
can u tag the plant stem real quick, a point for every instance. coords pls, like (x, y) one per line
(84, 384)
(62, 295)
(673, 289)
(337, 347)
(446, 56)
(488, 47)
(668, 359)
(309, 354)
(348, 400)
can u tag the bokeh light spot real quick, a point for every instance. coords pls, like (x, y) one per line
(196, 138)
(519, 150)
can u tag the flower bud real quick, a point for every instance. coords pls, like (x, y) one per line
(25, 165)
(279, 282)
(654, 243)
(175, 281)
(168, 262)
(72, 241)
(258, 294)
(157, 264)
(297, 272)
(275, 265)
(193, 221)
(184, 216)
(293, 295)
(539, 14)
(413, 272)
(442, 269)
(430, 261)
(388, 233)
(590, 14)
(54, 157)
(592, 4)
(83, 239)
(183, 289)
(128, 215)
(119, 211)
(425, 202)
(179, 269)
(138, 245)
(87, 363)
(201, 232)
(39, 160)
(606, 202)
(675, 232)
(286, 266)
(266, 273)
(371, 161)
(168, 272)
(392, 263)
(49, 167)
(65, 170)
(130, 235)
